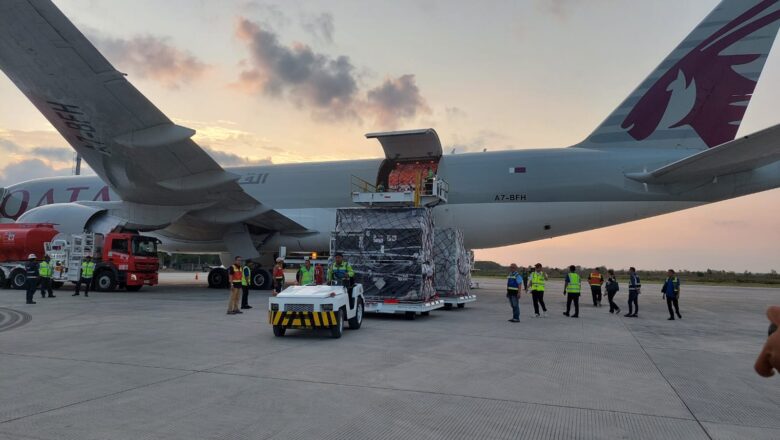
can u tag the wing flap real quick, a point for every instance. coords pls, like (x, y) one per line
(744, 154)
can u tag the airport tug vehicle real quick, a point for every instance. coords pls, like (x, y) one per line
(315, 307)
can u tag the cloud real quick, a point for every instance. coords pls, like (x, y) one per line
(320, 26)
(227, 159)
(28, 169)
(152, 57)
(310, 79)
(396, 99)
(327, 85)
(481, 140)
(54, 154)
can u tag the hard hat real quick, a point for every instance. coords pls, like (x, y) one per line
(31, 257)
(280, 259)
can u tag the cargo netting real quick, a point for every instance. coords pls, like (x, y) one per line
(452, 273)
(390, 250)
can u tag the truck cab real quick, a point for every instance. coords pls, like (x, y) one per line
(127, 260)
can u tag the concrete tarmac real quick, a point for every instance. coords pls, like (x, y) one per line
(167, 363)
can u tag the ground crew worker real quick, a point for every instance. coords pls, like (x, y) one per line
(31, 272)
(235, 275)
(45, 272)
(612, 288)
(525, 273)
(85, 276)
(319, 274)
(278, 275)
(572, 289)
(305, 275)
(513, 282)
(769, 359)
(596, 280)
(246, 280)
(634, 289)
(341, 271)
(671, 292)
(537, 289)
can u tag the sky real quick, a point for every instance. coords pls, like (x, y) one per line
(296, 81)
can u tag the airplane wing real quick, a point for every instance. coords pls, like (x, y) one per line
(129, 142)
(744, 154)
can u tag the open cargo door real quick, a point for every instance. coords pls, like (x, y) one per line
(409, 145)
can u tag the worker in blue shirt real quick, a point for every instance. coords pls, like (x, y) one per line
(634, 289)
(671, 292)
(514, 281)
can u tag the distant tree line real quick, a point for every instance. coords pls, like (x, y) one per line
(493, 269)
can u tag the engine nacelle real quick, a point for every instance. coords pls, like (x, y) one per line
(73, 218)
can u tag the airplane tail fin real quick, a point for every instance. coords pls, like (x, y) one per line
(697, 96)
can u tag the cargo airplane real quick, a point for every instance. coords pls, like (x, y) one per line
(670, 145)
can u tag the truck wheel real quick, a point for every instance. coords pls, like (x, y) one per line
(134, 288)
(279, 331)
(218, 278)
(355, 322)
(461, 305)
(337, 330)
(409, 316)
(105, 281)
(18, 279)
(261, 279)
(2, 279)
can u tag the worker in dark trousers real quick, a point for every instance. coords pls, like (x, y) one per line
(671, 292)
(537, 290)
(572, 289)
(612, 288)
(45, 271)
(634, 289)
(595, 279)
(31, 271)
(246, 280)
(85, 277)
(513, 282)
(525, 273)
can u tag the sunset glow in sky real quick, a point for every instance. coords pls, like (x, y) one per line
(299, 81)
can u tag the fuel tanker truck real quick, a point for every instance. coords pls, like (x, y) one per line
(122, 260)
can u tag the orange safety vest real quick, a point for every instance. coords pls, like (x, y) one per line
(595, 279)
(237, 274)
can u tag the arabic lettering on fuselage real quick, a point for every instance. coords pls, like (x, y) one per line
(20, 200)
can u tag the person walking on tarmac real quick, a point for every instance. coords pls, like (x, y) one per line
(671, 292)
(246, 279)
(31, 269)
(612, 288)
(305, 275)
(45, 272)
(513, 282)
(278, 275)
(85, 277)
(596, 280)
(634, 289)
(525, 273)
(236, 276)
(537, 290)
(572, 289)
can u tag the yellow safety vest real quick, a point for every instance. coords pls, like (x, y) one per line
(537, 281)
(574, 283)
(246, 274)
(87, 269)
(44, 270)
(307, 276)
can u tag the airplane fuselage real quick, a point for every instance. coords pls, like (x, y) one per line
(495, 198)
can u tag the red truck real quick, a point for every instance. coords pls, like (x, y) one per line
(122, 260)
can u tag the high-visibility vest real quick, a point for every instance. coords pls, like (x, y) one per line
(307, 275)
(44, 270)
(246, 275)
(340, 271)
(511, 281)
(537, 281)
(574, 283)
(87, 269)
(595, 279)
(238, 274)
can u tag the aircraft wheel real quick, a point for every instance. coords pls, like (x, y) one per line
(218, 278)
(261, 279)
